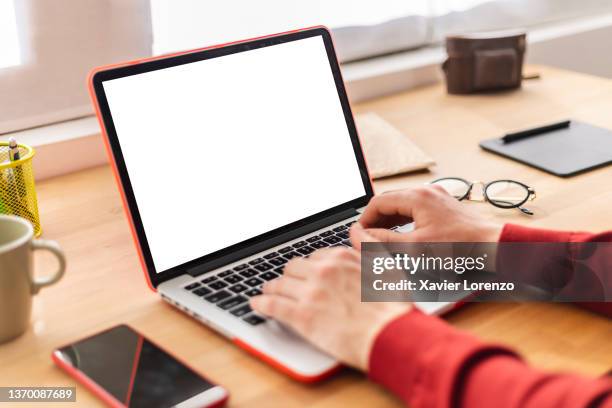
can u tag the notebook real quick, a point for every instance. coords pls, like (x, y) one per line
(564, 153)
(387, 150)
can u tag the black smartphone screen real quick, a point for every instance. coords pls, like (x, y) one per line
(134, 370)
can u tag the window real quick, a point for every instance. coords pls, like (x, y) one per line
(47, 48)
(192, 23)
(185, 24)
(9, 43)
(51, 46)
(362, 28)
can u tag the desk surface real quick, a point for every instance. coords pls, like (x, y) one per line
(104, 284)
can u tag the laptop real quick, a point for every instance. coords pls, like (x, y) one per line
(231, 161)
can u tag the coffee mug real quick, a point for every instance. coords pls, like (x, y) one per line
(17, 282)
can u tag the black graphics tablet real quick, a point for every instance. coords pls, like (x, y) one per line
(564, 152)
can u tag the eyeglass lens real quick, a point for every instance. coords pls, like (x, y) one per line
(455, 187)
(506, 193)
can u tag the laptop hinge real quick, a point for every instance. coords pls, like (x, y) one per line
(262, 246)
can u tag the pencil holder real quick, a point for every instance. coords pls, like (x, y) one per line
(17, 192)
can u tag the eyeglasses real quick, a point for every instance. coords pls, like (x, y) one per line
(500, 193)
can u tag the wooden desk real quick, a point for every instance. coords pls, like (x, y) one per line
(104, 284)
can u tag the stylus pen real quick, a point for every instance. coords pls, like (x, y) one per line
(523, 134)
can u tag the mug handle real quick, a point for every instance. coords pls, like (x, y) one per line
(55, 249)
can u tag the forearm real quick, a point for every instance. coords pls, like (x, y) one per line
(427, 363)
(510, 383)
(420, 359)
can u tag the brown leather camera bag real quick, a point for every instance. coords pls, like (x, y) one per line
(484, 62)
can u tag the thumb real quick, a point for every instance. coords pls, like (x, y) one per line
(357, 235)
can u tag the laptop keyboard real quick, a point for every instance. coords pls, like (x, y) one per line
(231, 289)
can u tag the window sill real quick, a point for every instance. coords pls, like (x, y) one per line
(389, 74)
(64, 147)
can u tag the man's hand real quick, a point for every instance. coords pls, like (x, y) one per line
(320, 298)
(437, 216)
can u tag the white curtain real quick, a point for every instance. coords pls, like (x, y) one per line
(446, 17)
(360, 25)
(503, 14)
(362, 28)
(60, 41)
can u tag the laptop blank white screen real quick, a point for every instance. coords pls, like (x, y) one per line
(222, 150)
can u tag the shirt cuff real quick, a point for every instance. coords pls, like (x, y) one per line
(518, 233)
(420, 358)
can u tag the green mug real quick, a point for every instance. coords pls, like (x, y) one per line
(17, 282)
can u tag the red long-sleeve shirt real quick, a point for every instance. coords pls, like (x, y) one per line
(428, 363)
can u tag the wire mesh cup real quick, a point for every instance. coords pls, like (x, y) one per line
(17, 192)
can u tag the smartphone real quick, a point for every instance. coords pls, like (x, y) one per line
(125, 369)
